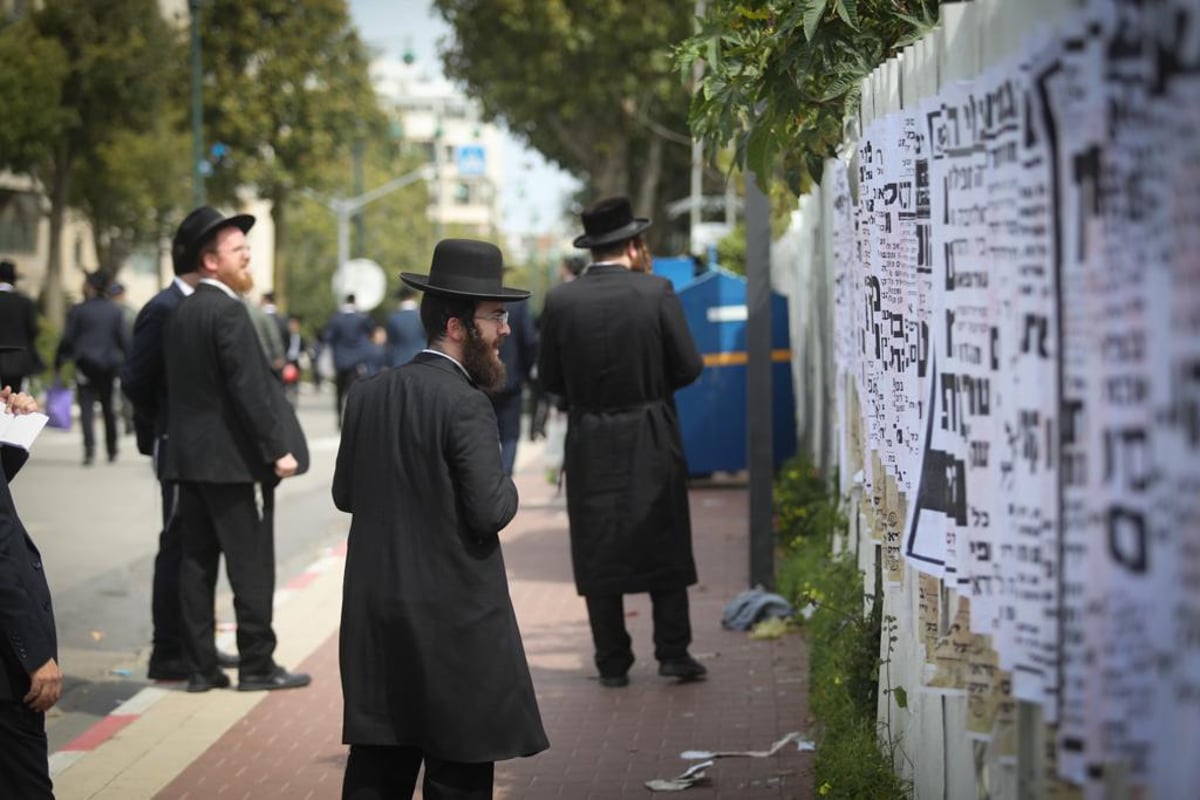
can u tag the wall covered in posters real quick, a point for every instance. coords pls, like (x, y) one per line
(1011, 248)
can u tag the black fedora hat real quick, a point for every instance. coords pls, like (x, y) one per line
(608, 222)
(8, 271)
(10, 348)
(465, 268)
(196, 229)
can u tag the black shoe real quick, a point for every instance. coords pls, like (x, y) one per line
(87, 460)
(614, 681)
(112, 457)
(685, 669)
(280, 678)
(168, 669)
(199, 682)
(228, 660)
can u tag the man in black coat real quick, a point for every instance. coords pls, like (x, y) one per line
(229, 444)
(19, 329)
(348, 335)
(144, 381)
(95, 338)
(615, 345)
(433, 669)
(30, 680)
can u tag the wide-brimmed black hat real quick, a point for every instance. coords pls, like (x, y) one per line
(608, 222)
(8, 271)
(196, 229)
(465, 268)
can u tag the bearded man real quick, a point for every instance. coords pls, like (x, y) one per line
(231, 440)
(433, 669)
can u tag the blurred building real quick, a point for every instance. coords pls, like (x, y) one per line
(446, 128)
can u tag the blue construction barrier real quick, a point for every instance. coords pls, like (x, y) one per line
(712, 411)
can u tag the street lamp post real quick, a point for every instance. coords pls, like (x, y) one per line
(346, 207)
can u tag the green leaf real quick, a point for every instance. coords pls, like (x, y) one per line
(901, 697)
(812, 18)
(848, 11)
(754, 13)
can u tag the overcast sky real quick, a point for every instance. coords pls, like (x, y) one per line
(534, 192)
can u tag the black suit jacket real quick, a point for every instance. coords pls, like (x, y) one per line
(18, 327)
(144, 375)
(95, 337)
(27, 635)
(224, 421)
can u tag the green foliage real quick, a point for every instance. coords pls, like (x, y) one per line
(844, 640)
(731, 250)
(782, 75)
(287, 90)
(32, 71)
(588, 83)
(806, 505)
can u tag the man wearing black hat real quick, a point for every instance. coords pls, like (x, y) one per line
(231, 439)
(144, 381)
(95, 338)
(18, 328)
(30, 679)
(433, 669)
(616, 346)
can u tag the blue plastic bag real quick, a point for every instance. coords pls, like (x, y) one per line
(58, 405)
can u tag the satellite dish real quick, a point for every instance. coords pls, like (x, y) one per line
(362, 278)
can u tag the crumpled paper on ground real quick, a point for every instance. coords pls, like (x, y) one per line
(696, 775)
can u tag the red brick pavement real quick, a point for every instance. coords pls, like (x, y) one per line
(604, 743)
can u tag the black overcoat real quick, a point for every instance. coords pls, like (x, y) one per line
(27, 635)
(430, 653)
(615, 344)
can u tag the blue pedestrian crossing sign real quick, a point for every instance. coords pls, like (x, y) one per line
(471, 160)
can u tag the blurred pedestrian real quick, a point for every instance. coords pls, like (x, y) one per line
(227, 424)
(615, 346)
(19, 329)
(116, 293)
(295, 348)
(30, 678)
(95, 340)
(348, 336)
(405, 335)
(433, 669)
(269, 336)
(144, 381)
(519, 355)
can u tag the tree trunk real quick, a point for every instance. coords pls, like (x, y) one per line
(278, 217)
(651, 176)
(612, 172)
(52, 288)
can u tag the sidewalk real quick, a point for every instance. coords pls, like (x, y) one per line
(604, 743)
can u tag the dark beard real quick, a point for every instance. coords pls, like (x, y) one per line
(485, 369)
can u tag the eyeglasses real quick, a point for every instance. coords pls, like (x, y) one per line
(499, 317)
(241, 248)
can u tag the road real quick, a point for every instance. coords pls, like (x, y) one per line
(97, 528)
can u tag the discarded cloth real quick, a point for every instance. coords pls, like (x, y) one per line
(751, 606)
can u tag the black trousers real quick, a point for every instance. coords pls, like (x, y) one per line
(614, 651)
(24, 754)
(13, 381)
(376, 772)
(165, 611)
(97, 389)
(218, 518)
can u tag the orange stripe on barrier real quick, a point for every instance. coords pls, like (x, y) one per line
(739, 358)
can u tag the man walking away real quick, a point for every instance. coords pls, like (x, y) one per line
(18, 329)
(616, 346)
(348, 336)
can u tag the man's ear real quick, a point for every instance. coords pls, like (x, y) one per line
(455, 331)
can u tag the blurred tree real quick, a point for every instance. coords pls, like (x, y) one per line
(286, 92)
(588, 83)
(32, 71)
(134, 188)
(83, 72)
